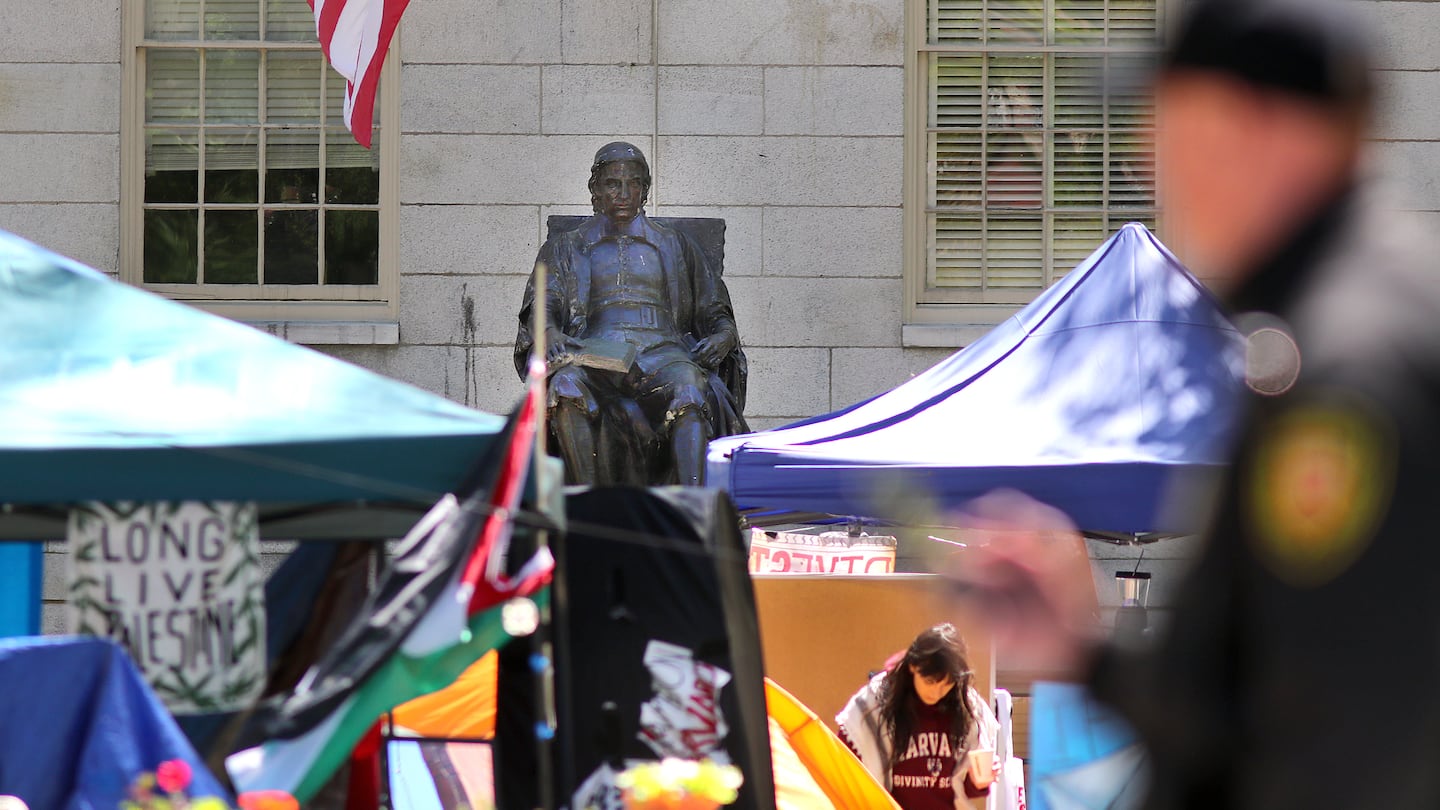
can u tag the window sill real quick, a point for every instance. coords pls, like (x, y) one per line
(941, 335)
(333, 333)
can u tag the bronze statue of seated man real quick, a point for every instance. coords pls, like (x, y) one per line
(644, 355)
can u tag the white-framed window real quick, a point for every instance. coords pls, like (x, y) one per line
(1018, 163)
(241, 189)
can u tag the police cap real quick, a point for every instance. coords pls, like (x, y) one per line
(1314, 49)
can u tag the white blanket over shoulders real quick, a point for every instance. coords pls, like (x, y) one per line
(860, 720)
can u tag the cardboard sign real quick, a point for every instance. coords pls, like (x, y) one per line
(788, 553)
(179, 585)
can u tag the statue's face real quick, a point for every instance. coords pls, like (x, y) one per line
(621, 190)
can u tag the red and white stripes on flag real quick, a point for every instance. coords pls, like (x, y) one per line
(355, 34)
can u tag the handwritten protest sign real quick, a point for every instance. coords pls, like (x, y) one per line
(179, 585)
(790, 553)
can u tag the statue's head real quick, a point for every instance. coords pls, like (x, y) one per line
(619, 181)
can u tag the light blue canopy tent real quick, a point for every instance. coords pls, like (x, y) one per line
(1099, 398)
(111, 393)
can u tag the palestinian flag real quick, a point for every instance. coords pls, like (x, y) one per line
(435, 612)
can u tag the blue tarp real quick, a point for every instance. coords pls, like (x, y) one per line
(1082, 755)
(111, 393)
(78, 724)
(1092, 399)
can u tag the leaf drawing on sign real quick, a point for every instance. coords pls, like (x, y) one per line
(240, 688)
(244, 525)
(186, 692)
(84, 517)
(123, 510)
(82, 586)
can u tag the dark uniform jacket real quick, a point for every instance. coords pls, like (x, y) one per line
(1302, 665)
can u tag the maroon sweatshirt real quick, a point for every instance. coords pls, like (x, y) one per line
(920, 776)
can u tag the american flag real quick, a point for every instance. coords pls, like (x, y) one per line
(355, 34)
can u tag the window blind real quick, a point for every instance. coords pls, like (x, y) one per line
(1029, 165)
(227, 76)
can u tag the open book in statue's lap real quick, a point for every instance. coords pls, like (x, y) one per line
(644, 355)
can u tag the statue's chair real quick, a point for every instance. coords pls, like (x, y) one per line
(629, 450)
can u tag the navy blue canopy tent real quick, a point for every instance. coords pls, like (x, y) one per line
(1099, 398)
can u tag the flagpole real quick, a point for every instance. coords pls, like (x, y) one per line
(544, 676)
(539, 348)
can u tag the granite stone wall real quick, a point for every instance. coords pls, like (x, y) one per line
(782, 116)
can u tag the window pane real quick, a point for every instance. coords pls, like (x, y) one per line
(1014, 253)
(232, 86)
(955, 169)
(232, 19)
(1073, 240)
(352, 247)
(1017, 21)
(293, 87)
(231, 247)
(292, 255)
(171, 166)
(289, 20)
(955, 21)
(352, 172)
(172, 87)
(1079, 169)
(1130, 106)
(1014, 170)
(955, 98)
(170, 246)
(232, 168)
(955, 257)
(1077, 92)
(292, 166)
(1134, 22)
(1079, 22)
(334, 98)
(172, 19)
(1015, 97)
(1132, 170)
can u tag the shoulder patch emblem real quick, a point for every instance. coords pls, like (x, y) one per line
(1320, 484)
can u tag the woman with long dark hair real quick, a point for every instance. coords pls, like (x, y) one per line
(914, 724)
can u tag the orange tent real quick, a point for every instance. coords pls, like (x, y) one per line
(828, 762)
(464, 709)
(814, 770)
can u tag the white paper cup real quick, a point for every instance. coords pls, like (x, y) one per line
(982, 768)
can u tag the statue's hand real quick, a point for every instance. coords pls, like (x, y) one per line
(713, 350)
(558, 347)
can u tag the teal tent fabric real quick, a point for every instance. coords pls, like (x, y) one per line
(110, 393)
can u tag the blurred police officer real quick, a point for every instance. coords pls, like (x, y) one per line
(1302, 665)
